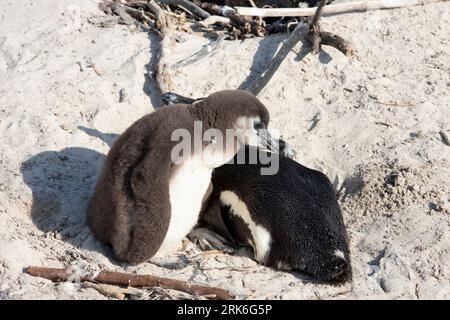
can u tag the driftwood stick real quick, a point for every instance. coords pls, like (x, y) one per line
(245, 24)
(112, 291)
(127, 14)
(335, 41)
(212, 20)
(226, 11)
(318, 13)
(261, 81)
(138, 4)
(317, 38)
(104, 6)
(313, 35)
(196, 10)
(120, 11)
(138, 15)
(283, 25)
(161, 18)
(358, 6)
(129, 279)
(163, 23)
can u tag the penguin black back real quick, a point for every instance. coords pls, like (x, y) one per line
(291, 219)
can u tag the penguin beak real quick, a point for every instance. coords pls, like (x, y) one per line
(266, 141)
(286, 149)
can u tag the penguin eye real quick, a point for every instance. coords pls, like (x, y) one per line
(258, 125)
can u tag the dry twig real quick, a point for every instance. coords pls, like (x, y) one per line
(313, 35)
(245, 25)
(129, 279)
(188, 5)
(346, 7)
(317, 38)
(260, 82)
(120, 11)
(163, 23)
(112, 291)
(213, 20)
(335, 41)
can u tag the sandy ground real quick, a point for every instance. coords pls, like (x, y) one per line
(371, 123)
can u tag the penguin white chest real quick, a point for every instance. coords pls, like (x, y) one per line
(187, 188)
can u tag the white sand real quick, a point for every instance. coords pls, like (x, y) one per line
(57, 116)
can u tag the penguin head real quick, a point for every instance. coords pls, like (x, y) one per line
(326, 265)
(238, 118)
(331, 266)
(321, 251)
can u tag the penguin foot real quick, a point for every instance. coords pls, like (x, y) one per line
(173, 263)
(208, 240)
(169, 98)
(285, 149)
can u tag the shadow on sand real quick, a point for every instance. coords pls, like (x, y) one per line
(150, 86)
(268, 47)
(62, 183)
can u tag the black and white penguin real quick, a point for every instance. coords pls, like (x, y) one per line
(145, 202)
(292, 219)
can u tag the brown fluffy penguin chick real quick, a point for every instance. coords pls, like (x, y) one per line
(146, 202)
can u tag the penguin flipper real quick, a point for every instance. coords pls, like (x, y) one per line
(145, 213)
(211, 218)
(211, 232)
